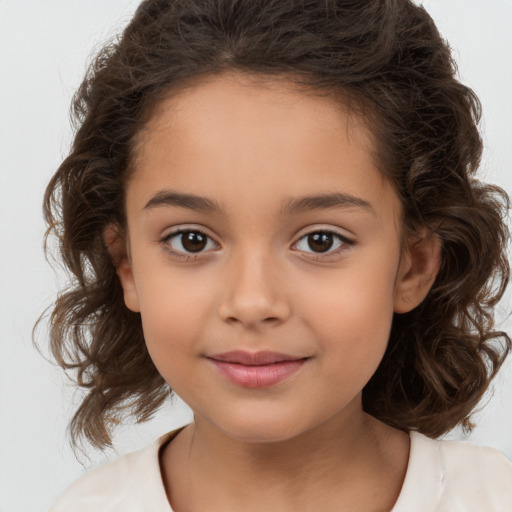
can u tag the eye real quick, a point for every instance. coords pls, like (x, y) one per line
(188, 241)
(323, 241)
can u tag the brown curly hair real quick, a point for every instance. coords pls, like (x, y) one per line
(384, 56)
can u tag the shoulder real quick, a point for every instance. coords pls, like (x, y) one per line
(457, 476)
(483, 460)
(479, 473)
(125, 485)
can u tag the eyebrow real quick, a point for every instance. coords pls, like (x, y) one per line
(190, 201)
(292, 206)
(325, 201)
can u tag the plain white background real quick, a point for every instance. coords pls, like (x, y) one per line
(44, 48)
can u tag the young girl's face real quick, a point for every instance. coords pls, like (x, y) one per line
(264, 256)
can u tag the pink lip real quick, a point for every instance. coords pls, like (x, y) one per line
(258, 369)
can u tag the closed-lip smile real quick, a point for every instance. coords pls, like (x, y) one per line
(256, 369)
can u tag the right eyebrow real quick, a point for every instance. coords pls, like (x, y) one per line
(326, 201)
(190, 201)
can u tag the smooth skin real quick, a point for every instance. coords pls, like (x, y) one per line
(260, 269)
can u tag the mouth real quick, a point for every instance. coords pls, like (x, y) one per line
(257, 369)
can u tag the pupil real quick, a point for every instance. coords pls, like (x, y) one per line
(193, 241)
(320, 242)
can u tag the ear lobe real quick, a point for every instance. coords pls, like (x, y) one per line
(117, 245)
(418, 270)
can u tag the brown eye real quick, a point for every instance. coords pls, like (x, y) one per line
(193, 241)
(189, 241)
(320, 242)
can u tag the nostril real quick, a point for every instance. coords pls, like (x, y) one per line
(254, 321)
(251, 306)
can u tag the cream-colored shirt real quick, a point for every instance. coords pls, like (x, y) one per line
(442, 476)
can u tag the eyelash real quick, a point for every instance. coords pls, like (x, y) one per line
(186, 256)
(344, 244)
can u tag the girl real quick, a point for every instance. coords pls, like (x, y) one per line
(270, 209)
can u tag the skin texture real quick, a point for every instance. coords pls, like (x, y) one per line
(258, 284)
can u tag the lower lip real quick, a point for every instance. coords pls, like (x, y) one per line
(262, 376)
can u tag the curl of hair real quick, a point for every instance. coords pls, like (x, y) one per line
(387, 58)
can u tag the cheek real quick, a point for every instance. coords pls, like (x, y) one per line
(351, 315)
(173, 311)
(357, 299)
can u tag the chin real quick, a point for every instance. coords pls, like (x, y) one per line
(260, 429)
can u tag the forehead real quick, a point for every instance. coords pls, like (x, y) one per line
(231, 135)
(251, 101)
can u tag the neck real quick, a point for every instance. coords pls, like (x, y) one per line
(204, 468)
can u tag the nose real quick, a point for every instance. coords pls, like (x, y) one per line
(254, 294)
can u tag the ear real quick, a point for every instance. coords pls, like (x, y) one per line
(419, 266)
(118, 246)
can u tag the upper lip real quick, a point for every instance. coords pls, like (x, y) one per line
(254, 358)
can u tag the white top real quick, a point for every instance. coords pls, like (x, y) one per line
(442, 476)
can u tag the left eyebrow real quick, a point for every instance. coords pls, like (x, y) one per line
(190, 201)
(325, 201)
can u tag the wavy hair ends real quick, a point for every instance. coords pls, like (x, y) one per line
(385, 58)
